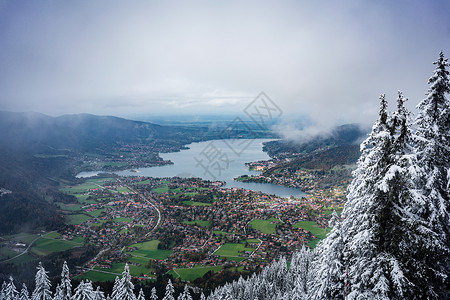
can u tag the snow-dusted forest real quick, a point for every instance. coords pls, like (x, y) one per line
(391, 241)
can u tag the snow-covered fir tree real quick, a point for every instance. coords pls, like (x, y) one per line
(379, 226)
(116, 289)
(98, 294)
(141, 295)
(328, 281)
(153, 296)
(58, 293)
(66, 285)
(126, 286)
(169, 291)
(10, 291)
(24, 294)
(432, 141)
(185, 295)
(42, 289)
(84, 291)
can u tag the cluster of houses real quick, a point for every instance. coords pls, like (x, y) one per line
(196, 231)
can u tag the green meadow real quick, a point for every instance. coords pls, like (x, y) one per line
(201, 223)
(265, 226)
(232, 250)
(77, 219)
(188, 274)
(313, 227)
(149, 250)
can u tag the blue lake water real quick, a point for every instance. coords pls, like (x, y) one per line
(215, 160)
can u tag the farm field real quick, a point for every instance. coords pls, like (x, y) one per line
(47, 245)
(265, 226)
(314, 228)
(69, 207)
(189, 274)
(201, 223)
(77, 219)
(149, 250)
(232, 250)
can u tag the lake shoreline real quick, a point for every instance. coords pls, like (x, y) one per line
(230, 162)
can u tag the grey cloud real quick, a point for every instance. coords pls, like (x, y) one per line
(328, 60)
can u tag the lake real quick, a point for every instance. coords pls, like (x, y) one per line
(215, 160)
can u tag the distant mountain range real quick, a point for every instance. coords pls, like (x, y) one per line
(37, 151)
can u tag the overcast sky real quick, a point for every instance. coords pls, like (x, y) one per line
(327, 59)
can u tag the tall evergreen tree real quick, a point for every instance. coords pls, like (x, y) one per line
(98, 294)
(42, 289)
(141, 295)
(185, 295)
(84, 291)
(117, 289)
(328, 280)
(127, 286)
(169, 291)
(153, 296)
(432, 141)
(10, 291)
(24, 294)
(66, 285)
(58, 293)
(380, 230)
(2, 290)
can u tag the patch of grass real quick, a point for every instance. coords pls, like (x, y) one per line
(161, 189)
(232, 250)
(190, 194)
(201, 223)
(149, 250)
(123, 219)
(78, 239)
(80, 188)
(53, 235)
(236, 259)
(77, 219)
(194, 203)
(45, 246)
(143, 182)
(190, 274)
(123, 189)
(313, 227)
(253, 241)
(69, 207)
(265, 226)
(217, 232)
(98, 224)
(97, 212)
